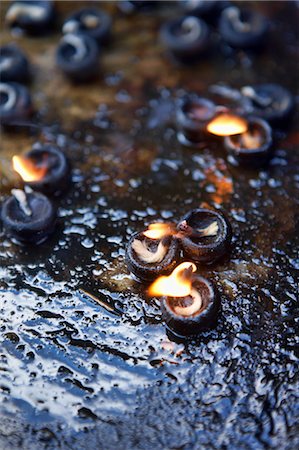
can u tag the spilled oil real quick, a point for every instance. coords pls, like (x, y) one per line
(72, 364)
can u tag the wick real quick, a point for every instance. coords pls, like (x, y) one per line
(6, 63)
(35, 12)
(209, 230)
(11, 96)
(77, 43)
(192, 29)
(249, 92)
(71, 26)
(233, 14)
(21, 198)
(146, 255)
(195, 306)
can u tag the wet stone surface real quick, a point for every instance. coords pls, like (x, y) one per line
(78, 372)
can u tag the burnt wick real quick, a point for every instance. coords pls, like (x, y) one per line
(146, 255)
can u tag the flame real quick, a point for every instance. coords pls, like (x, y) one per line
(177, 284)
(158, 230)
(226, 124)
(27, 169)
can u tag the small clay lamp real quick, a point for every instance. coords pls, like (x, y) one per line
(242, 28)
(271, 102)
(15, 103)
(34, 17)
(77, 56)
(205, 235)
(186, 38)
(14, 64)
(193, 115)
(189, 302)
(152, 252)
(44, 169)
(92, 21)
(252, 147)
(28, 217)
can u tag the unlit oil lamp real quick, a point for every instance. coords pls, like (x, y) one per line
(205, 235)
(28, 217)
(32, 16)
(254, 146)
(45, 169)
(152, 252)
(242, 28)
(92, 21)
(77, 56)
(270, 101)
(14, 64)
(189, 302)
(15, 103)
(186, 38)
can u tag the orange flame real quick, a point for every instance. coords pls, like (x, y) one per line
(227, 124)
(177, 284)
(158, 230)
(27, 169)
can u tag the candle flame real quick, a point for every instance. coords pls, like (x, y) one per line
(27, 169)
(158, 230)
(227, 124)
(177, 284)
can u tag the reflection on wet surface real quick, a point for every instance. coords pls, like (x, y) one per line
(72, 359)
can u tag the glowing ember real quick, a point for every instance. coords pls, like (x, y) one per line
(158, 230)
(226, 124)
(177, 284)
(27, 169)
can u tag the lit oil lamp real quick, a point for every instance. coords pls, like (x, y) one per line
(193, 115)
(77, 56)
(92, 21)
(205, 235)
(152, 252)
(14, 64)
(44, 169)
(15, 103)
(189, 302)
(33, 16)
(242, 28)
(186, 38)
(271, 102)
(252, 147)
(28, 217)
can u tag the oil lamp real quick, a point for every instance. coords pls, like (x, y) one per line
(14, 64)
(270, 101)
(242, 28)
(252, 147)
(189, 302)
(33, 16)
(15, 103)
(92, 21)
(78, 56)
(28, 217)
(205, 235)
(186, 38)
(45, 169)
(152, 252)
(193, 115)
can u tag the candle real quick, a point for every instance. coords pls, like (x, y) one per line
(14, 64)
(193, 115)
(242, 28)
(186, 38)
(45, 169)
(252, 147)
(152, 252)
(189, 302)
(205, 235)
(28, 217)
(34, 17)
(15, 103)
(77, 56)
(92, 21)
